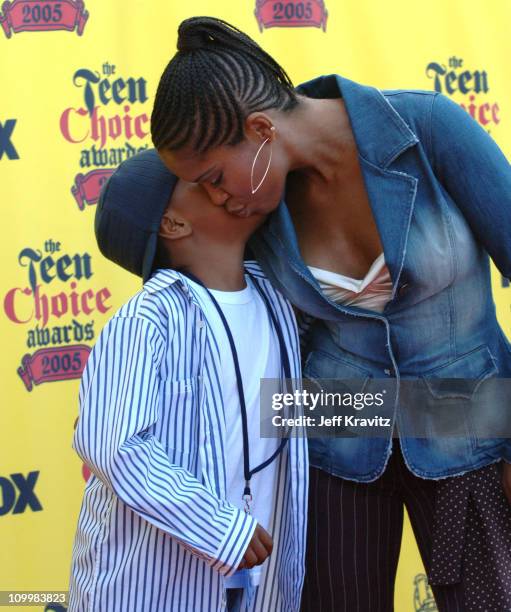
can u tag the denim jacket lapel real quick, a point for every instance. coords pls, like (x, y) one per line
(381, 136)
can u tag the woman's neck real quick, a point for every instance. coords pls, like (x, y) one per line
(320, 141)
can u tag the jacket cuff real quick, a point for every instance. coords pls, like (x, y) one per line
(235, 543)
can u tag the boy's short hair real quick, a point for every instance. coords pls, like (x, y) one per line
(129, 211)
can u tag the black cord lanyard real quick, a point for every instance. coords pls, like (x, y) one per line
(248, 473)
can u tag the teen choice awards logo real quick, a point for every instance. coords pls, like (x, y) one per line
(470, 88)
(291, 14)
(57, 302)
(110, 125)
(34, 16)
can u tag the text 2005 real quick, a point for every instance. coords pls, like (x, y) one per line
(46, 12)
(290, 10)
(63, 363)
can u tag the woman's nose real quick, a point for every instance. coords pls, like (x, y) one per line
(217, 195)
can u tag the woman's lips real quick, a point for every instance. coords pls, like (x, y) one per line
(240, 210)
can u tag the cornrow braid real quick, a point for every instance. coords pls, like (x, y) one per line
(218, 76)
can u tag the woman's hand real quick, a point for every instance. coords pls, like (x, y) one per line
(506, 479)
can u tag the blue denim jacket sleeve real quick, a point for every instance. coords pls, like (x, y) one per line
(477, 176)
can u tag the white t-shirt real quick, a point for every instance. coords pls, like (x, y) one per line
(259, 357)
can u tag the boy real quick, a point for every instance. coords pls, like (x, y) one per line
(169, 422)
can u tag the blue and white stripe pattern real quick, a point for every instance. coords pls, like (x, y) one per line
(155, 532)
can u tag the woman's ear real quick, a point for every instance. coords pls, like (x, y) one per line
(173, 227)
(260, 125)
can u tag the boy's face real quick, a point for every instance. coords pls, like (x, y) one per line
(190, 211)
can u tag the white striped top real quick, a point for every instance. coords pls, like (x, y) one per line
(155, 531)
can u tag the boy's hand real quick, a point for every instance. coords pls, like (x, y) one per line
(258, 550)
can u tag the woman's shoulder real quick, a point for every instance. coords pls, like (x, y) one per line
(415, 107)
(410, 101)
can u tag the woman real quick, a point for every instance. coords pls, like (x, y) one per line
(385, 206)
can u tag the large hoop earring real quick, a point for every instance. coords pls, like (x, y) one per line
(267, 167)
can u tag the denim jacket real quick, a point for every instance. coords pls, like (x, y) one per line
(440, 192)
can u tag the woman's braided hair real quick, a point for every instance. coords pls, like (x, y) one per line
(218, 76)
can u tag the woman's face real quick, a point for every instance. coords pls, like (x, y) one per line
(213, 223)
(224, 173)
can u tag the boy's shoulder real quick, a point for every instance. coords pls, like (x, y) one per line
(255, 269)
(165, 298)
(161, 296)
(155, 302)
(163, 279)
(272, 292)
(257, 272)
(166, 279)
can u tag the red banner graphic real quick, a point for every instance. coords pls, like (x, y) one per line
(51, 364)
(39, 16)
(87, 186)
(291, 14)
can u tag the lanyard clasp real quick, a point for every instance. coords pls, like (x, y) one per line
(247, 497)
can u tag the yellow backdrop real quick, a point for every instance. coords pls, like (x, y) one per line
(78, 80)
